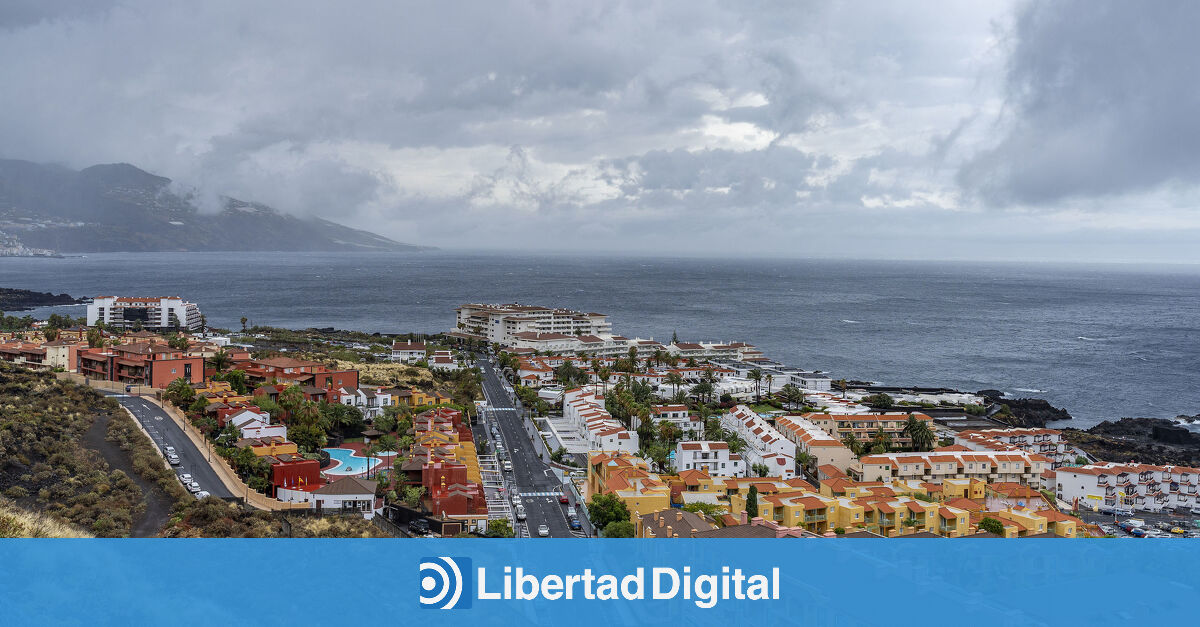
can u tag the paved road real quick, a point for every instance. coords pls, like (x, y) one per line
(165, 432)
(530, 474)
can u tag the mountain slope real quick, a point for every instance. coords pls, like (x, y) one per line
(120, 208)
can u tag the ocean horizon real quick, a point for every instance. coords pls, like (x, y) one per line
(1103, 341)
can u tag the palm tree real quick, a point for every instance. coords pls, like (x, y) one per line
(221, 360)
(770, 377)
(604, 374)
(633, 360)
(675, 380)
(244, 321)
(756, 376)
(842, 384)
(852, 443)
(881, 442)
(792, 394)
(919, 434)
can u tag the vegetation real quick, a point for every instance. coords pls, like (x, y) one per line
(18, 523)
(921, 436)
(879, 401)
(619, 529)
(605, 509)
(712, 510)
(500, 528)
(991, 525)
(752, 502)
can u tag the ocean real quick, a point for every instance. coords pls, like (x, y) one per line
(1101, 341)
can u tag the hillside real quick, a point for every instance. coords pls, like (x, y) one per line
(120, 208)
(19, 523)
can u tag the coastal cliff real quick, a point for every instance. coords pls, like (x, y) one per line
(1146, 440)
(1024, 412)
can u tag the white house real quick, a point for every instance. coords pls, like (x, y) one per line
(679, 416)
(1142, 487)
(255, 424)
(369, 401)
(349, 494)
(408, 352)
(765, 444)
(711, 457)
(444, 361)
(584, 409)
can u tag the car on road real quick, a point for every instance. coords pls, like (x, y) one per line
(173, 460)
(520, 512)
(418, 526)
(562, 498)
(543, 530)
(1177, 530)
(168, 450)
(185, 478)
(1137, 532)
(516, 498)
(507, 466)
(193, 487)
(1195, 510)
(574, 524)
(202, 494)
(1122, 511)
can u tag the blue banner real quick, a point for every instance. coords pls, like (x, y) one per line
(599, 582)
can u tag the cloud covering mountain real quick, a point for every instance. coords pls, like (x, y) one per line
(984, 129)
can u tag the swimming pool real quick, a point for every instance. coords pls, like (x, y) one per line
(349, 462)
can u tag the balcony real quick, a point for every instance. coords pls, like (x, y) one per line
(812, 518)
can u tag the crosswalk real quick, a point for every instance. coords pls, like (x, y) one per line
(540, 493)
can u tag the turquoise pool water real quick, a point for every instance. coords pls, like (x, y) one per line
(349, 462)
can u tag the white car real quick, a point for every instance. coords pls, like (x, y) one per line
(507, 466)
(516, 498)
(185, 478)
(202, 494)
(169, 450)
(193, 487)
(173, 460)
(520, 513)
(543, 530)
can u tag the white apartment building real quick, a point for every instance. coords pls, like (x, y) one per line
(408, 352)
(500, 323)
(444, 361)
(1142, 487)
(1048, 442)
(256, 424)
(368, 401)
(678, 415)
(711, 457)
(765, 444)
(809, 438)
(936, 466)
(583, 409)
(157, 312)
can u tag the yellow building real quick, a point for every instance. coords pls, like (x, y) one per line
(1061, 524)
(628, 478)
(955, 488)
(262, 447)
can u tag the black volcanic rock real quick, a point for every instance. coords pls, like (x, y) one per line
(22, 300)
(121, 208)
(1145, 440)
(1029, 412)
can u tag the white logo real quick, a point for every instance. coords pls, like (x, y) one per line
(441, 583)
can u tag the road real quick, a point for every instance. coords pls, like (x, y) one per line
(165, 432)
(530, 474)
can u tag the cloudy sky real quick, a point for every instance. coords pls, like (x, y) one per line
(984, 129)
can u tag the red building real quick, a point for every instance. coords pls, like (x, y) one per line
(450, 493)
(155, 365)
(298, 372)
(294, 472)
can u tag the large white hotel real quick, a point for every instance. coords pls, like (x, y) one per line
(153, 312)
(502, 323)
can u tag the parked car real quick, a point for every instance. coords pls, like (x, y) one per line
(507, 466)
(1137, 532)
(574, 523)
(520, 512)
(173, 460)
(420, 526)
(516, 498)
(202, 494)
(543, 530)
(1195, 510)
(169, 450)
(185, 478)
(1122, 511)
(193, 487)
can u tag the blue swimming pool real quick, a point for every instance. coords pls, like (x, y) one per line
(349, 463)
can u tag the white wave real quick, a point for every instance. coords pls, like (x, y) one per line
(852, 321)
(1091, 339)
(1033, 390)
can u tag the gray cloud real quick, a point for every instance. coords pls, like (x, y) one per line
(1102, 100)
(798, 127)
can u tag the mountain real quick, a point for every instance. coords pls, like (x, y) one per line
(120, 208)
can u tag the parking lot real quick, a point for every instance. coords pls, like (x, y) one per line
(1181, 520)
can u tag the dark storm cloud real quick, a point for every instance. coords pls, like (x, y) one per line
(1103, 99)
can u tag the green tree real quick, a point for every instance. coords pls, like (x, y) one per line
(854, 444)
(769, 378)
(50, 333)
(619, 529)
(244, 321)
(792, 394)
(991, 525)
(674, 379)
(879, 401)
(606, 508)
(711, 510)
(756, 375)
(221, 360)
(1080, 460)
(500, 528)
(760, 470)
(919, 433)
(881, 442)
(95, 339)
(752, 502)
(180, 392)
(308, 437)
(412, 495)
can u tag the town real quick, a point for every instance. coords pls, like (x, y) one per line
(526, 420)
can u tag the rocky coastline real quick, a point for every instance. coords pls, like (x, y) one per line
(1157, 441)
(23, 300)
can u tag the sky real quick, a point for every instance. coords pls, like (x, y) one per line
(988, 129)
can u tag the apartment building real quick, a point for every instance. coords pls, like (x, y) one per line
(583, 409)
(765, 444)
(155, 312)
(937, 466)
(679, 416)
(500, 323)
(864, 426)
(627, 477)
(1048, 442)
(1141, 487)
(154, 365)
(825, 449)
(408, 352)
(714, 458)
